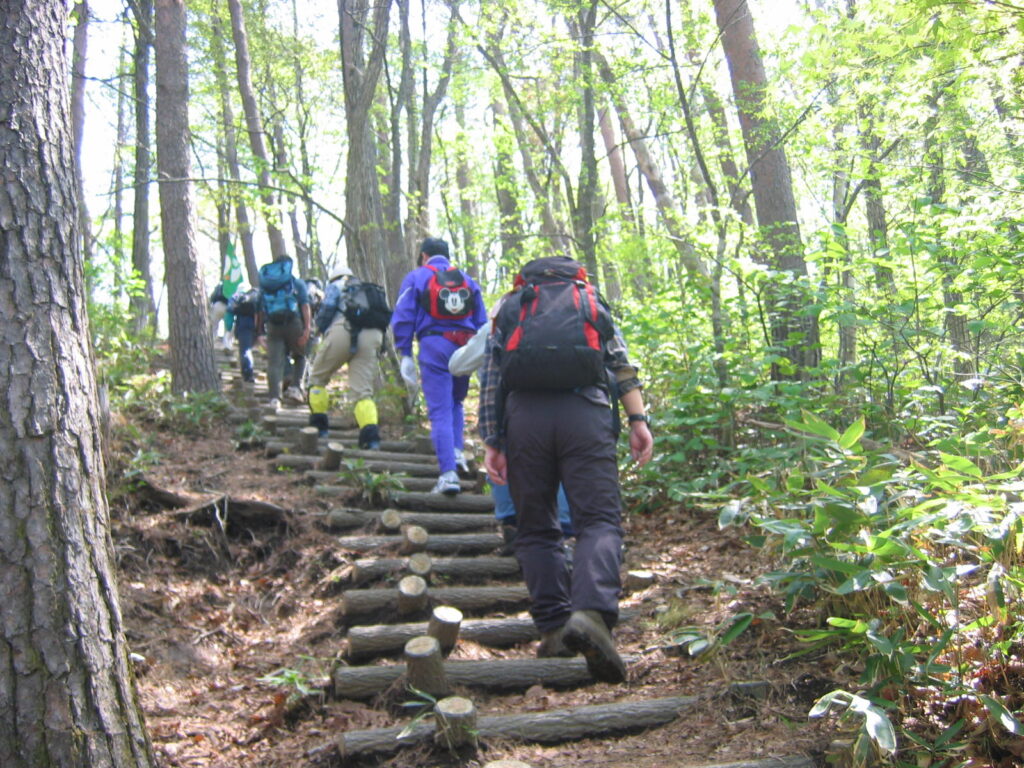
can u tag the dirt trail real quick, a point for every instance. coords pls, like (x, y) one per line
(239, 627)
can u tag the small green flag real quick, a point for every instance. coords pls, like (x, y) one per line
(232, 277)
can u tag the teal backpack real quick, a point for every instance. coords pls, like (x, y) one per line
(280, 298)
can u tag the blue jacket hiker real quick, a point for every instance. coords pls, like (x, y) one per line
(440, 307)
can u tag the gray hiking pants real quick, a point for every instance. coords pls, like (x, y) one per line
(282, 342)
(554, 437)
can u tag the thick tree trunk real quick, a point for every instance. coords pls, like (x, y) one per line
(67, 695)
(143, 304)
(193, 368)
(227, 114)
(254, 126)
(793, 334)
(363, 39)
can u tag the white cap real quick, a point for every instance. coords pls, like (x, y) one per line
(339, 273)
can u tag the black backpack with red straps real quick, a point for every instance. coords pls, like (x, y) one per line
(553, 329)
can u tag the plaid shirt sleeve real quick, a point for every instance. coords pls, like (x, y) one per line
(616, 357)
(489, 384)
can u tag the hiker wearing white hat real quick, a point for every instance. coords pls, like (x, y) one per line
(353, 318)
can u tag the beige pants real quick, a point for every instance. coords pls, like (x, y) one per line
(336, 350)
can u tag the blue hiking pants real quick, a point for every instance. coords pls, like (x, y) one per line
(444, 394)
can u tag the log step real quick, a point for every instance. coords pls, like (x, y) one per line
(365, 642)
(412, 500)
(361, 605)
(286, 444)
(493, 674)
(462, 570)
(550, 727)
(327, 481)
(450, 544)
(434, 522)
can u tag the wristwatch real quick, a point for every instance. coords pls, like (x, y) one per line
(639, 417)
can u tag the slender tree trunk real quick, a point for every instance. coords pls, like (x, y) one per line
(586, 200)
(254, 126)
(616, 164)
(231, 153)
(793, 332)
(668, 211)
(305, 183)
(472, 260)
(505, 179)
(143, 303)
(67, 693)
(401, 103)
(79, 47)
(192, 365)
(418, 222)
(122, 140)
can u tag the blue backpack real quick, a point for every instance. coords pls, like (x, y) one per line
(280, 299)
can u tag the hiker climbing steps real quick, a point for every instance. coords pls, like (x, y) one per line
(422, 575)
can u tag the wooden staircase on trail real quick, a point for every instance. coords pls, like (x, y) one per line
(424, 578)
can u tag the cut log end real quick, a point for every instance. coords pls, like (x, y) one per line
(421, 564)
(414, 539)
(455, 717)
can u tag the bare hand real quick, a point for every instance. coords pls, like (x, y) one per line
(641, 442)
(496, 465)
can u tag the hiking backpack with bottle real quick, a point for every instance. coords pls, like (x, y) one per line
(553, 329)
(365, 305)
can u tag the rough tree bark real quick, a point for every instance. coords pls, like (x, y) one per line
(192, 364)
(143, 304)
(363, 30)
(792, 331)
(254, 125)
(67, 695)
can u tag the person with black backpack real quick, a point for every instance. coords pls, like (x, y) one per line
(546, 418)
(243, 306)
(284, 320)
(352, 319)
(441, 307)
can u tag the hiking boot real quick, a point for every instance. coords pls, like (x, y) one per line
(369, 438)
(274, 403)
(294, 395)
(508, 534)
(552, 645)
(448, 484)
(461, 465)
(586, 633)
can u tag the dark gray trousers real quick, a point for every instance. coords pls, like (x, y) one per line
(554, 437)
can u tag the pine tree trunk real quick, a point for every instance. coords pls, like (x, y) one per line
(192, 363)
(67, 695)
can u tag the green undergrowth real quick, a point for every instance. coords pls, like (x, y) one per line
(914, 562)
